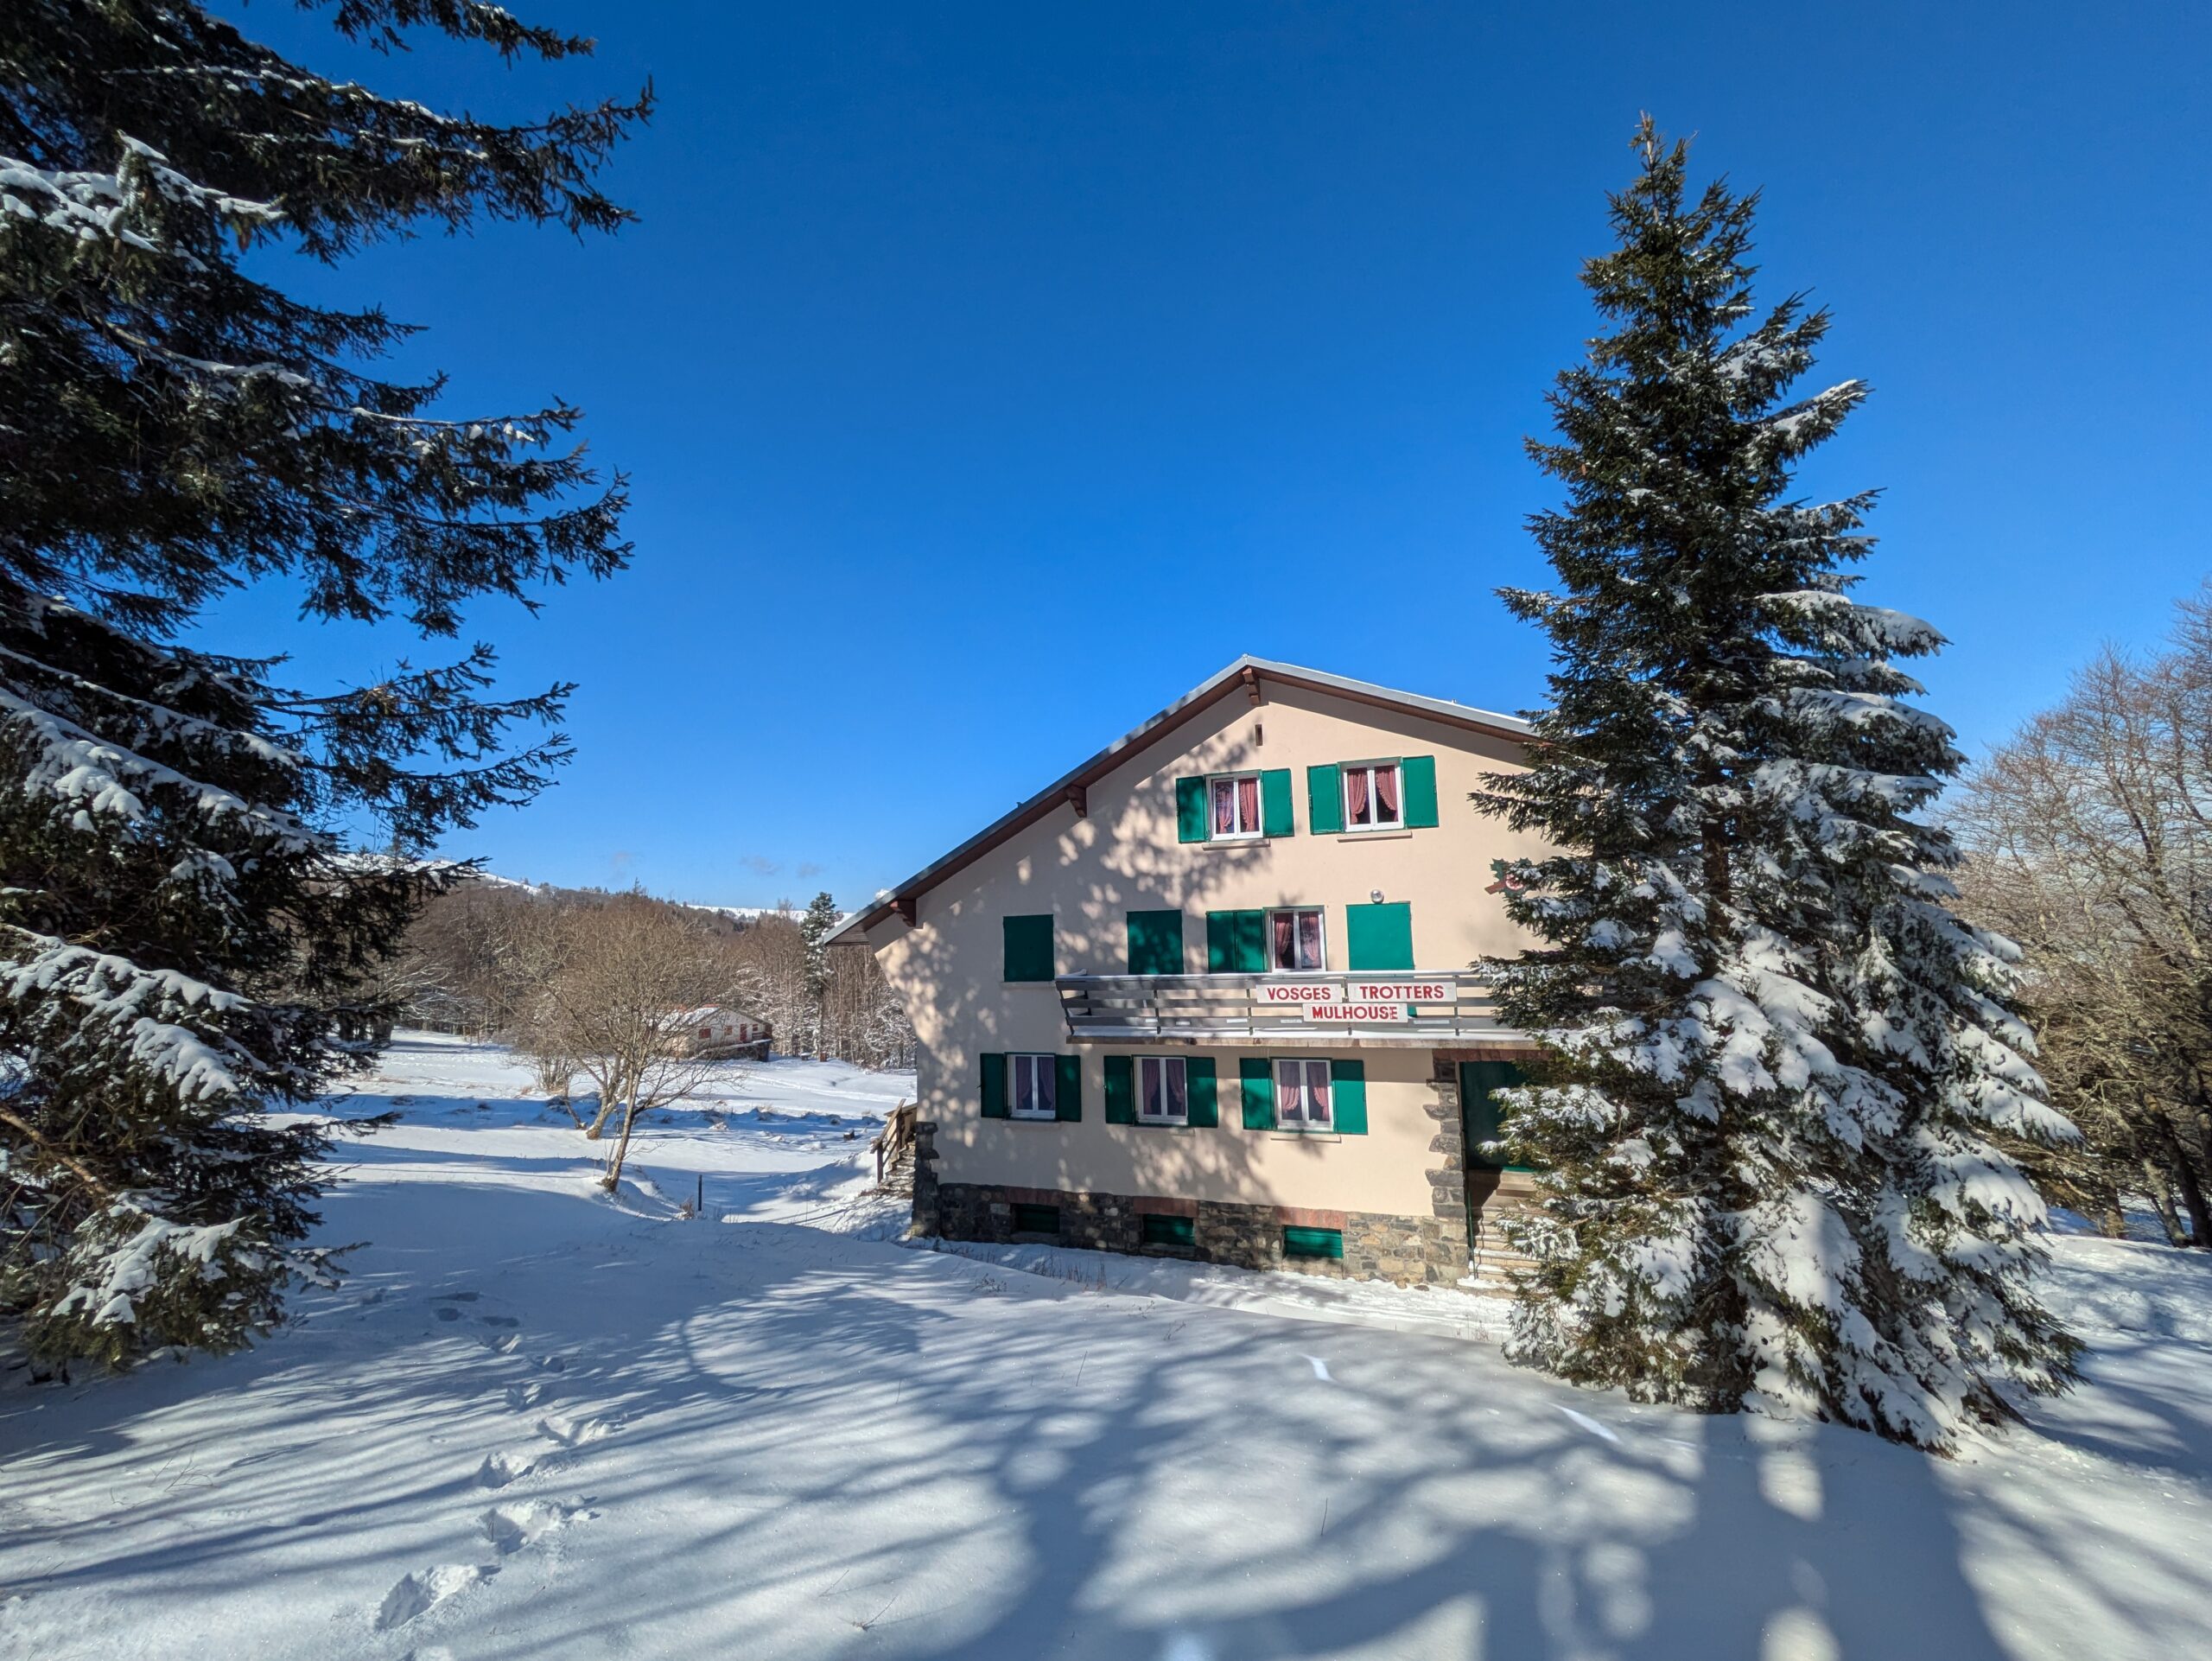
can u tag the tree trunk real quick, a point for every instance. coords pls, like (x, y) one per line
(2192, 1191)
(610, 1100)
(613, 1179)
(2162, 1200)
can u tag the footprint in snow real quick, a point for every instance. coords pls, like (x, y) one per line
(575, 1433)
(510, 1528)
(445, 1313)
(499, 1469)
(427, 1588)
(456, 1297)
(497, 1321)
(503, 1345)
(522, 1397)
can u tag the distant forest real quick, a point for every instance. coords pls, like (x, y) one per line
(464, 968)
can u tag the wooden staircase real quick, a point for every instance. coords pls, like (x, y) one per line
(894, 1152)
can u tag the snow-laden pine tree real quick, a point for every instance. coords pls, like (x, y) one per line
(1774, 1057)
(180, 916)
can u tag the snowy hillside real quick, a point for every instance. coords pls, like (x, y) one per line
(536, 1422)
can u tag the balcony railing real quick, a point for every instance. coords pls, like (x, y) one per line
(1412, 1007)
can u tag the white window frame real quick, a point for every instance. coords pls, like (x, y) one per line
(1045, 1087)
(1321, 912)
(1259, 807)
(1392, 764)
(1302, 1069)
(1162, 1062)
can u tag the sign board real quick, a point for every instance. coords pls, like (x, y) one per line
(1357, 1002)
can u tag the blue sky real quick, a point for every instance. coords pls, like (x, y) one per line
(989, 374)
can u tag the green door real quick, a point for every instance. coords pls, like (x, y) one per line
(1479, 1119)
(1478, 1108)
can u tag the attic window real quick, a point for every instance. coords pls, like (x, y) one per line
(1234, 802)
(1373, 800)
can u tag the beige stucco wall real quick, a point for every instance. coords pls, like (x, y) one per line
(1091, 872)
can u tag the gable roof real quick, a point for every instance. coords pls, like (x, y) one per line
(1249, 674)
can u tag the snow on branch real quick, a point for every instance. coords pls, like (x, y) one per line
(144, 1009)
(97, 206)
(112, 1276)
(100, 778)
(1871, 629)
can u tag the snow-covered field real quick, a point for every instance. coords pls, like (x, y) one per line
(537, 1422)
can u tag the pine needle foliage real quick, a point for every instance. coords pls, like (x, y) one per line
(1773, 1056)
(180, 920)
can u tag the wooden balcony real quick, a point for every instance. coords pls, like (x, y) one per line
(1415, 1008)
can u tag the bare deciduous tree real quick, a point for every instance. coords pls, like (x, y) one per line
(615, 990)
(2092, 838)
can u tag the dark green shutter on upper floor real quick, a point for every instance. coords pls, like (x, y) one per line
(1067, 1092)
(1236, 942)
(1256, 1078)
(1379, 937)
(1155, 943)
(1277, 818)
(1029, 948)
(1348, 1097)
(1417, 780)
(1325, 800)
(1189, 810)
(993, 1086)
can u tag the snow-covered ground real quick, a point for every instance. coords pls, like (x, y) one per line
(537, 1422)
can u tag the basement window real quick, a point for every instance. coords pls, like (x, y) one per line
(1160, 1228)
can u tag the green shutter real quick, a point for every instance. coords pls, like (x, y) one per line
(1198, 1079)
(1189, 810)
(1029, 948)
(1478, 1108)
(1348, 1097)
(1067, 1093)
(1255, 1076)
(1325, 801)
(1236, 942)
(1379, 937)
(1417, 780)
(1155, 943)
(1277, 816)
(1121, 1092)
(1314, 1243)
(995, 1086)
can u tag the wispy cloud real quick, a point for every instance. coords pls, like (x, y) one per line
(761, 865)
(811, 869)
(622, 859)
